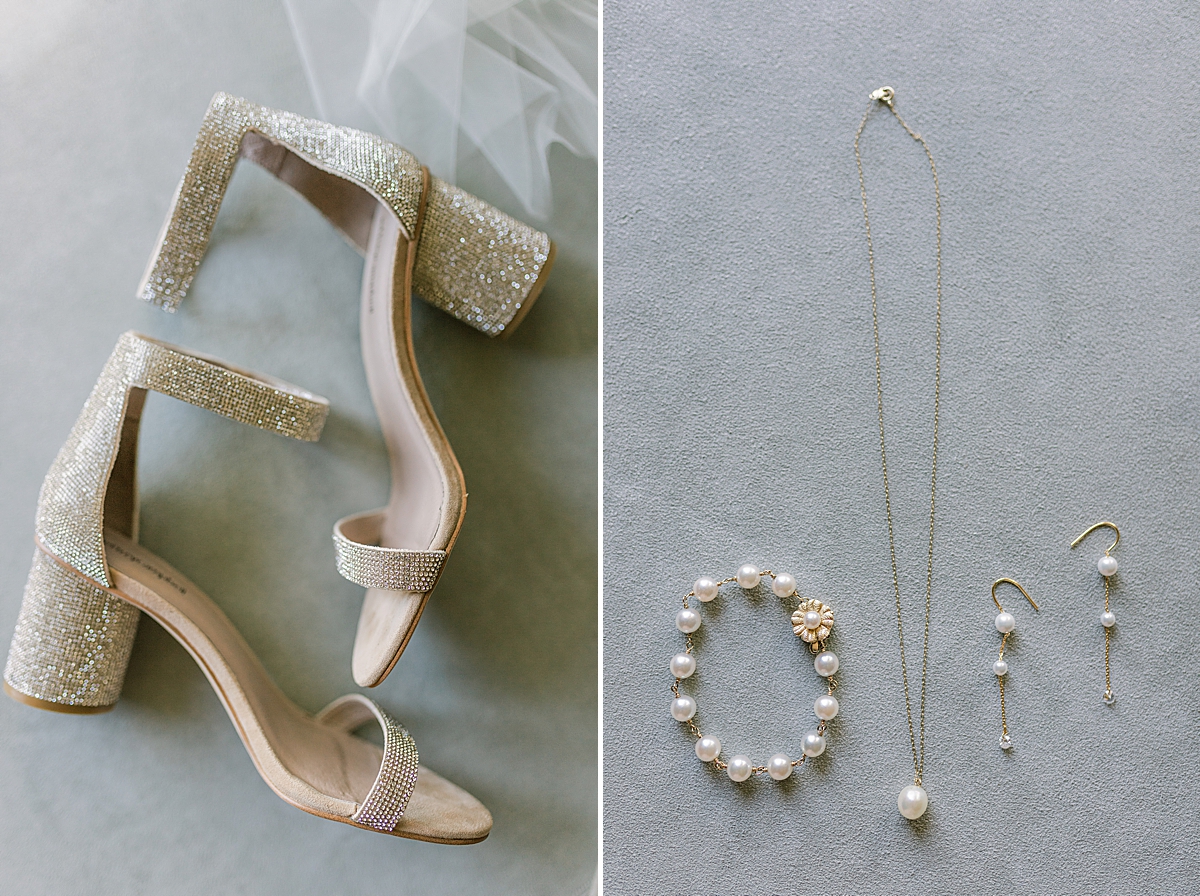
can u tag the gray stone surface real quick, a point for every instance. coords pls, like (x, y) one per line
(100, 104)
(740, 425)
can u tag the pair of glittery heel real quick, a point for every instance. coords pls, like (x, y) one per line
(90, 577)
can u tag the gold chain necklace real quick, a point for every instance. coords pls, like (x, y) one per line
(913, 800)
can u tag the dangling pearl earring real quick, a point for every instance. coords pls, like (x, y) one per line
(1005, 624)
(1107, 566)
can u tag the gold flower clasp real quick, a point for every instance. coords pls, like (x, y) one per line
(812, 622)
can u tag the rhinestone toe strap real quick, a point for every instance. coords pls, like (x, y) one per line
(361, 560)
(385, 803)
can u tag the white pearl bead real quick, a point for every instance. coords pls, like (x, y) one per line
(1005, 622)
(826, 707)
(1108, 619)
(683, 708)
(1107, 566)
(739, 768)
(913, 801)
(779, 766)
(687, 621)
(784, 586)
(705, 588)
(748, 575)
(708, 748)
(812, 620)
(1000, 667)
(813, 744)
(683, 665)
(826, 663)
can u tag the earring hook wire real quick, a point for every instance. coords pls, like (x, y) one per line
(1104, 525)
(996, 584)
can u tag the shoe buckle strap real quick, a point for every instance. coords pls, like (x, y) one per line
(362, 560)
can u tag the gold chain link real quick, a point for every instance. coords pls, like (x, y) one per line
(885, 95)
(1107, 636)
(1003, 713)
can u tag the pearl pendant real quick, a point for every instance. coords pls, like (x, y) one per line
(1108, 619)
(1000, 667)
(1107, 566)
(1005, 622)
(912, 801)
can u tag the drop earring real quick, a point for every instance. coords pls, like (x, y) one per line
(1005, 623)
(1107, 565)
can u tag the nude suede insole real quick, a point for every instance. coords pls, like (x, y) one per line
(311, 766)
(428, 497)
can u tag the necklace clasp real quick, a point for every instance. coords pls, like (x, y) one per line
(884, 94)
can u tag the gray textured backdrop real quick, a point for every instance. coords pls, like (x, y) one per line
(100, 105)
(740, 425)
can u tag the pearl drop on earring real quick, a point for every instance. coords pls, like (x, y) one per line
(748, 576)
(1000, 667)
(683, 665)
(779, 766)
(683, 708)
(1005, 622)
(1108, 619)
(913, 801)
(739, 768)
(687, 621)
(705, 588)
(784, 585)
(1107, 566)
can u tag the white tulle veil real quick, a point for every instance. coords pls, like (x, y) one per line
(448, 78)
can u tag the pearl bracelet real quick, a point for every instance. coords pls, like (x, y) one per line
(812, 622)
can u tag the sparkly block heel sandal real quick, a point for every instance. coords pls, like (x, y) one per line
(90, 578)
(416, 233)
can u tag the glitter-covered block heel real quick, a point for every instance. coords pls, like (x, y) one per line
(72, 642)
(91, 578)
(472, 260)
(417, 234)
